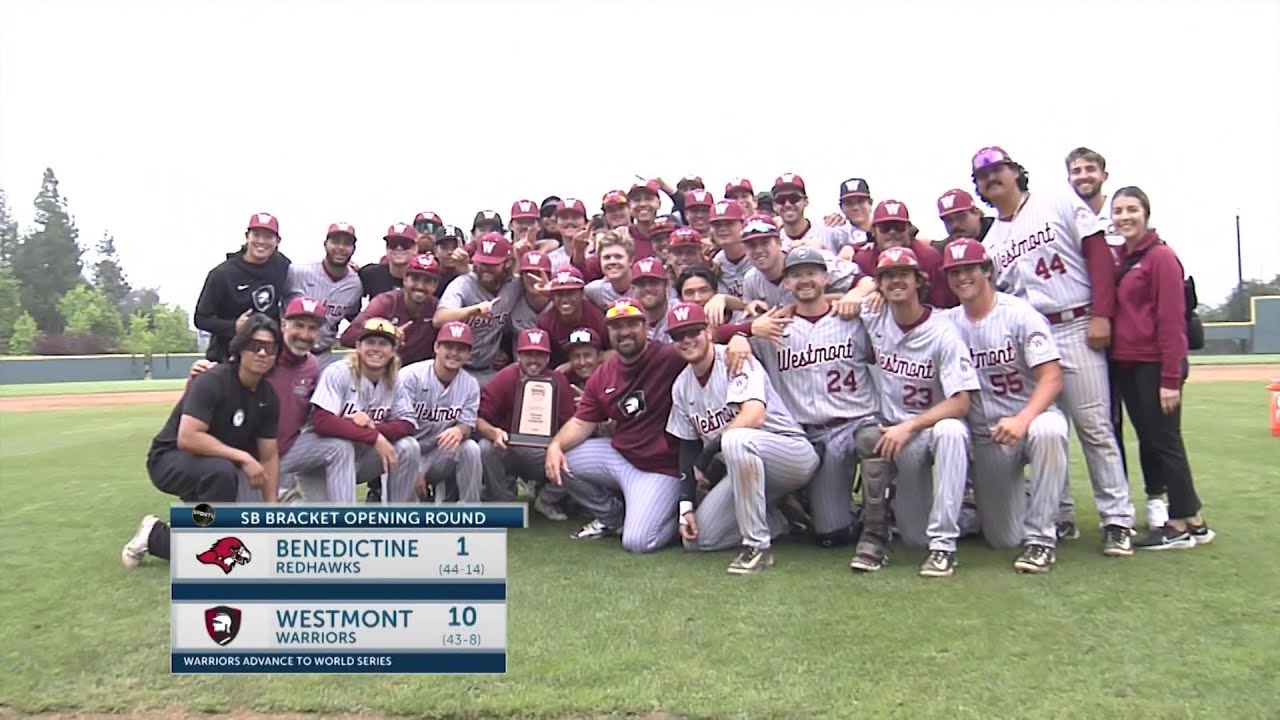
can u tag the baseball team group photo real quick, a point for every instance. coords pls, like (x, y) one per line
(806, 435)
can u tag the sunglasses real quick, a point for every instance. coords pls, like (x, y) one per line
(989, 156)
(578, 337)
(399, 243)
(425, 226)
(893, 226)
(788, 199)
(684, 334)
(260, 346)
(380, 325)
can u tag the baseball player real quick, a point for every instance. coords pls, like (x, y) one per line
(535, 271)
(743, 420)
(651, 289)
(763, 282)
(484, 300)
(614, 253)
(854, 216)
(821, 367)
(410, 308)
(452, 256)
(1013, 419)
(633, 389)
(569, 311)
(660, 235)
(251, 280)
(740, 191)
(445, 399)
(331, 281)
(685, 249)
(731, 260)
(1049, 250)
(357, 401)
(891, 227)
(790, 198)
(585, 349)
(697, 210)
(220, 436)
(614, 207)
(426, 224)
(485, 222)
(961, 218)
(496, 421)
(925, 380)
(388, 274)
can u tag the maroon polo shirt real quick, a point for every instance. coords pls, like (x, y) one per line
(498, 398)
(637, 397)
(419, 339)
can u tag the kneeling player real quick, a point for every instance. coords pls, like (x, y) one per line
(764, 449)
(925, 381)
(445, 399)
(1013, 419)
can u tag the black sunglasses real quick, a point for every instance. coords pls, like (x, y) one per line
(790, 199)
(399, 243)
(425, 226)
(256, 346)
(684, 333)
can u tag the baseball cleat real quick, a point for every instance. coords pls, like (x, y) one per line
(1117, 541)
(1035, 559)
(1157, 513)
(1201, 533)
(940, 563)
(751, 561)
(1067, 530)
(870, 555)
(1167, 538)
(593, 531)
(549, 511)
(136, 549)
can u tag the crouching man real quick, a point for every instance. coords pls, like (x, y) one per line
(743, 421)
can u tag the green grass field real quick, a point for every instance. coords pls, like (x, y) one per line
(596, 632)
(78, 388)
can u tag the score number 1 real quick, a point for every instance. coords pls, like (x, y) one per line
(462, 546)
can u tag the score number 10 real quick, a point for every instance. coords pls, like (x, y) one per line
(466, 616)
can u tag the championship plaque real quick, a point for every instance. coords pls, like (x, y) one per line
(534, 421)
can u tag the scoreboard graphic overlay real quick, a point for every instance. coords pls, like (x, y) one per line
(340, 589)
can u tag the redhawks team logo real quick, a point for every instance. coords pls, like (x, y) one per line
(226, 554)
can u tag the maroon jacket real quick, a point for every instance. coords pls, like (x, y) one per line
(498, 398)
(940, 295)
(420, 339)
(1150, 324)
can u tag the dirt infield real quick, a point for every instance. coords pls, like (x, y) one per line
(1199, 373)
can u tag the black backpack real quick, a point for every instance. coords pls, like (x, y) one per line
(1195, 327)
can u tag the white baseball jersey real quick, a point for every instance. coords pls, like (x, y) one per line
(524, 317)
(703, 411)
(559, 258)
(341, 394)
(920, 368)
(732, 274)
(602, 293)
(465, 290)
(842, 275)
(1003, 347)
(823, 369)
(1115, 240)
(437, 407)
(658, 331)
(830, 239)
(1039, 255)
(341, 297)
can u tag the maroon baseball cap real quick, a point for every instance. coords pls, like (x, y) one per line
(304, 307)
(400, 230)
(567, 278)
(759, 225)
(342, 228)
(728, 210)
(264, 221)
(651, 186)
(685, 236)
(493, 249)
(533, 340)
(890, 211)
(954, 201)
(425, 264)
(897, 257)
(685, 315)
(738, 185)
(427, 216)
(525, 210)
(698, 198)
(691, 181)
(788, 180)
(455, 332)
(963, 251)
(613, 197)
(534, 261)
(571, 206)
(649, 267)
(583, 336)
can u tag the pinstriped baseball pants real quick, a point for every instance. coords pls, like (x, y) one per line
(647, 511)
(328, 469)
(1009, 518)
(523, 462)
(762, 467)
(929, 477)
(460, 466)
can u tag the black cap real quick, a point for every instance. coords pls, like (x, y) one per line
(764, 198)
(855, 187)
(548, 207)
(489, 217)
(450, 232)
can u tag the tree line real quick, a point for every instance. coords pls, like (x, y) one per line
(58, 299)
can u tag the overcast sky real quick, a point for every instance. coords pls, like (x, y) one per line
(169, 123)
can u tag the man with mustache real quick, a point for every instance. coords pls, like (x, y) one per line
(333, 282)
(651, 288)
(569, 311)
(925, 380)
(219, 443)
(742, 419)
(410, 308)
(497, 421)
(445, 398)
(484, 299)
(1050, 249)
(1012, 418)
(251, 280)
(961, 218)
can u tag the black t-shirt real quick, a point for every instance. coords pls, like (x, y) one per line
(377, 279)
(236, 415)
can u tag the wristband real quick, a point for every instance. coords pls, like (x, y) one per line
(741, 335)
(686, 507)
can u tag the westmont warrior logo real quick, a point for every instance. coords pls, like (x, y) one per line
(226, 554)
(222, 623)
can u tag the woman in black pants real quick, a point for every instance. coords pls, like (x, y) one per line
(1149, 349)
